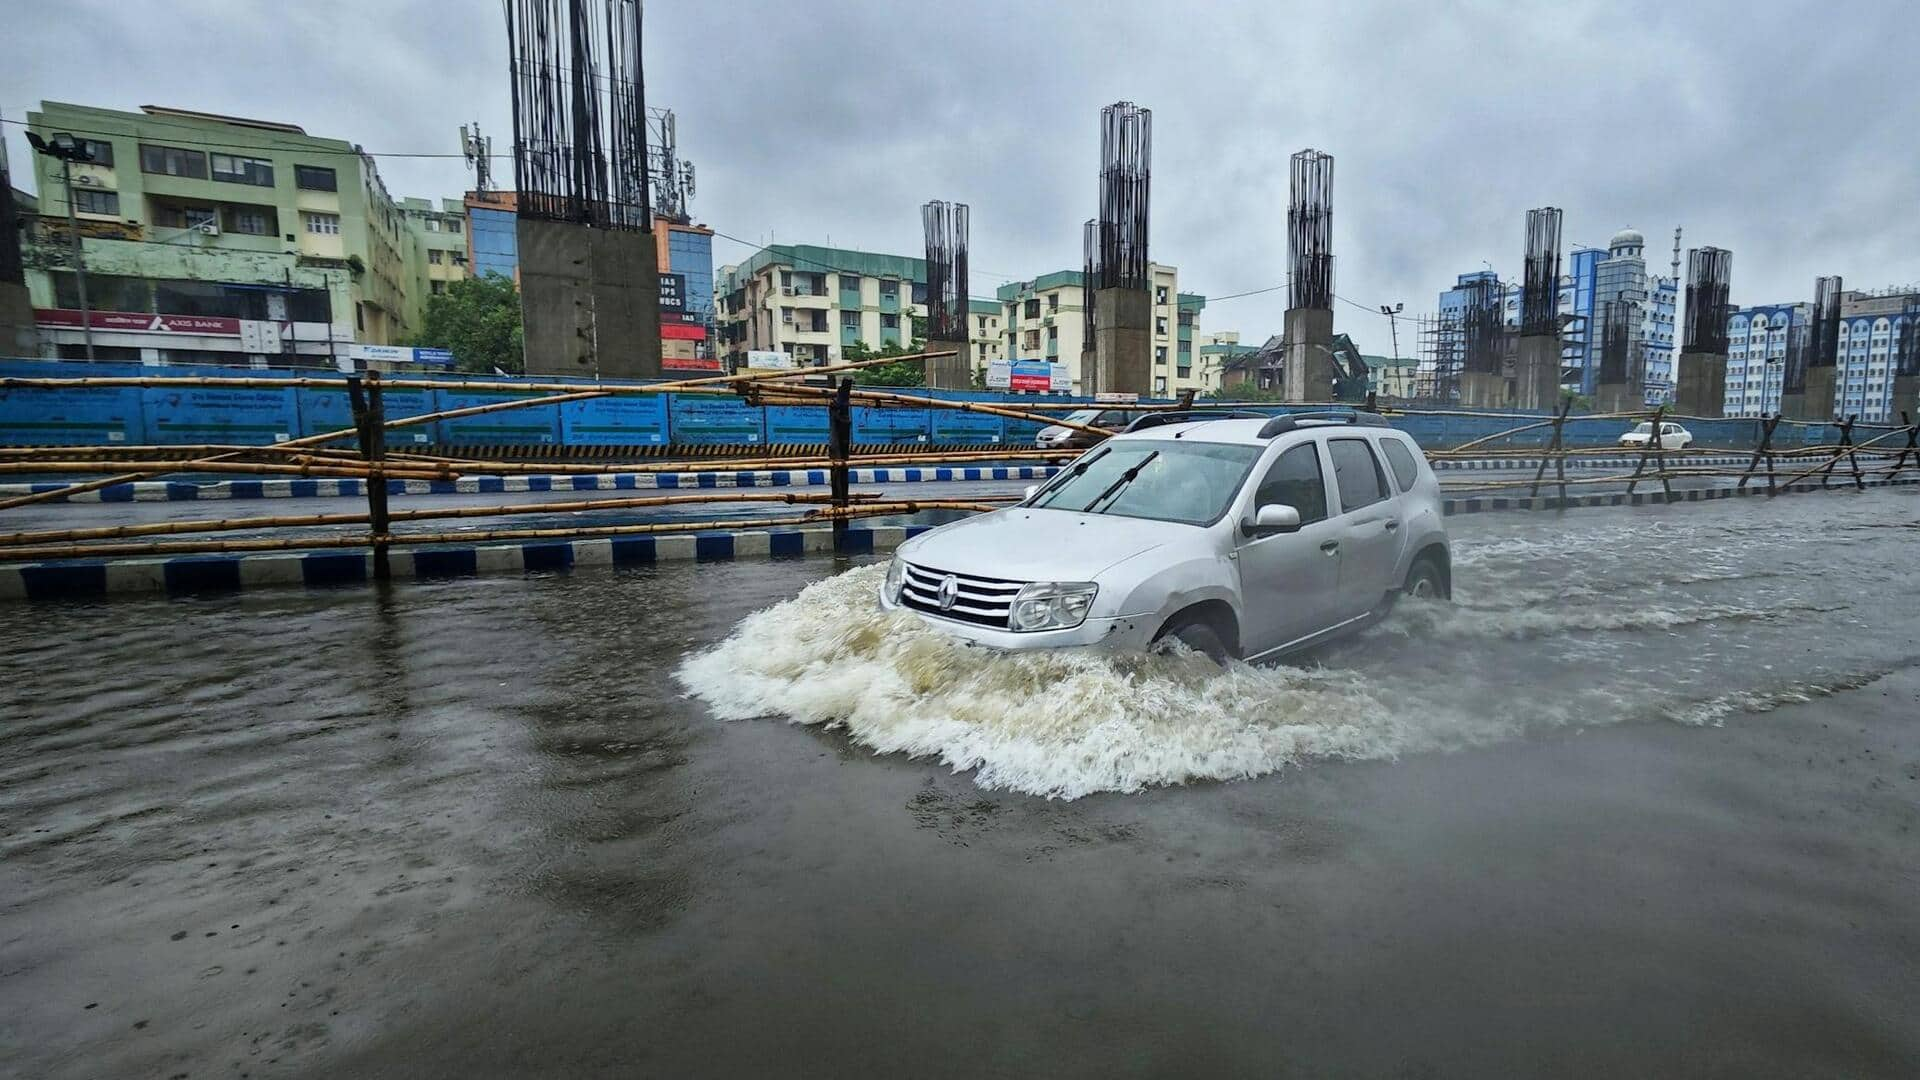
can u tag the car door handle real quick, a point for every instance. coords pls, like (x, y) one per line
(1331, 547)
(1393, 526)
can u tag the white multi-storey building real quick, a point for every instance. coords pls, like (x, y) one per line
(1045, 319)
(1869, 344)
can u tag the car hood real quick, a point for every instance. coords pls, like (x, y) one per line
(1020, 544)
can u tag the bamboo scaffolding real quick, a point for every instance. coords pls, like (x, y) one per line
(794, 395)
(568, 392)
(162, 547)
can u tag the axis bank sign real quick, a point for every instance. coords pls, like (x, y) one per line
(139, 322)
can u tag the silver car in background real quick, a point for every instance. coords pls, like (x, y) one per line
(1248, 538)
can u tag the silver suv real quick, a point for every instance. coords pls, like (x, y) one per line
(1239, 537)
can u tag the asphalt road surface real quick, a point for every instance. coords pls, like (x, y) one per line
(1645, 802)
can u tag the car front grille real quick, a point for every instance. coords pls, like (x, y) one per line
(983, 601)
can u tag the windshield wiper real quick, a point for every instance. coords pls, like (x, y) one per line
(1124, 479)
(1053, 487)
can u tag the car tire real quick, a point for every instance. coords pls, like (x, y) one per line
(1425, 582)
(1201, 637)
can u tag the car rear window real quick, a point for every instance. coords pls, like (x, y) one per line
(1356, 472)
(1398, 456)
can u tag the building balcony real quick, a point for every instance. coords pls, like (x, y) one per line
(850, 299)
(850, 335)
(890, 303)
(889, 335)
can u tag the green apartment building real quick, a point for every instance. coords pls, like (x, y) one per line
(218, 239)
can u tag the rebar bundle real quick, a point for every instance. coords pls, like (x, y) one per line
(1310, 231)
(946, 229)
(1709, 277)
(1090, 249)
(1480, 327)
(579, 111)
(1824, 343)
(1616, 344)
(1906, 352)
(1540, 283)
(1126, 156)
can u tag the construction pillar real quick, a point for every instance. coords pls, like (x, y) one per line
(1308, 354)
(1906, 395)
(590, 300)
(1701, 385)
(950, 372)
(1817, 402)
(1123, 341)
(1483, 390)
(1537, 373)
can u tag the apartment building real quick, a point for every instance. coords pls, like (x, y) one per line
(812, 302)
(1046, 319)
(218, 239)
(439, 244)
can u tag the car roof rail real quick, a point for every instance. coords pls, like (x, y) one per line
(1189, 416)
(1280, 425)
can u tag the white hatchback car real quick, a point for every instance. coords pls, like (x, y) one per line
(1672, 436)
(1239, 537)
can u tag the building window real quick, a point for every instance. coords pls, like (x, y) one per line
(98, 153)
(433, 224)
(889, 322)
(438, 287)
(171, 161)
(786, 315)
(453, 226)
(323, 224)
(1160, 294)
(434, 257)
(1033, 308)
(233, 169)
(1053, 301)
(253, 221)
(172, 216)
(314, 178)
(89, 201)
(1160, 355)
(1160, 326)
(459, 258)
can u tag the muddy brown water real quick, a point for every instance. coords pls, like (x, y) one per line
(1645, 805)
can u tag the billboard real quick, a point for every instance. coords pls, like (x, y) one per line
(1029, 376)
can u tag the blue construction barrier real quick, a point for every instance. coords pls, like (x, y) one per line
(254, 416)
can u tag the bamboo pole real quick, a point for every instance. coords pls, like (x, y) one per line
(303, 521)
(82, 551)
(238, 467)
(884, 398)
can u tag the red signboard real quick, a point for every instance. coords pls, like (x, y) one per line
(682, 332)
(687, 363)
(1017, 381)
(140, 322)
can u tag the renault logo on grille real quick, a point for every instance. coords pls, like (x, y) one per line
(948, 592)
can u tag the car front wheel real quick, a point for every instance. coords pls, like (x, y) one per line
(1201, 638)
(1424, 582)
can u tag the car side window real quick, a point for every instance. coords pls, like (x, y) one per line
(1398, 456)
(1112, 418)
(1357, 473)
(1295, 480)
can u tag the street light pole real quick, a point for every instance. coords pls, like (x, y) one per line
(79, 259)
(68, 150)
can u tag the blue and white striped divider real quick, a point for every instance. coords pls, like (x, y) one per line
(1446, 464)
(80, 578)
(1483, 504)
(187, 491)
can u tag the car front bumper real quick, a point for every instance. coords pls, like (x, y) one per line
(1122, 632)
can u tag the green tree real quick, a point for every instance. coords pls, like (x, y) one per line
(905, 373)
(479, 321)
(1246, 391)
(1581, 402)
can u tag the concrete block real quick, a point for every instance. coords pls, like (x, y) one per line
(593, 553)
(274, 569)
(1123, 342)
(498, 559)
(1308, 372)
(750, 543)
(137, 575)
(673, 549)
(950, 372)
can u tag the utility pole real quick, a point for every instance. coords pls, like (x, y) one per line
(67, 151)
(1393, 326)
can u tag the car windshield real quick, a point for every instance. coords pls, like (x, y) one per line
(1643, 429)
(1084, 416)
(1160, 479)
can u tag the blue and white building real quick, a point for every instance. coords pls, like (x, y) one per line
(1757, 357)
(1594, 278)
(1870, 328)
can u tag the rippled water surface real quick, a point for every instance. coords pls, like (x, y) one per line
(1647, 791)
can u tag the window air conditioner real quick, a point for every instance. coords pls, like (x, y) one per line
(210, 228)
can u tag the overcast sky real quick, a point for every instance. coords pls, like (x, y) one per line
(1785, 132)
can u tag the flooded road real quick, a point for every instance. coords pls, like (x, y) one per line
(1644, 802)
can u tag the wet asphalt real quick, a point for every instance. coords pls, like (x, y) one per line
(474, 828)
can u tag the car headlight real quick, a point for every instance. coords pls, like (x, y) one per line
(896, 577)
(1052, 605)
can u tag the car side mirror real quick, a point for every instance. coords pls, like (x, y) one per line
(1273, 518)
